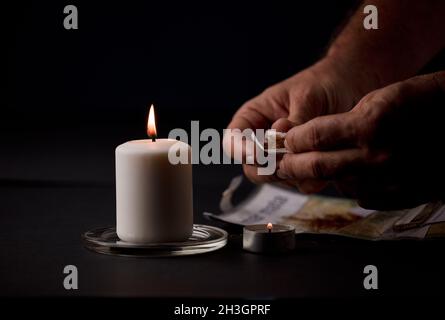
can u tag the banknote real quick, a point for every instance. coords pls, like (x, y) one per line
(326, 215)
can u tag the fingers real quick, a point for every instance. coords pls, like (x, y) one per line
(320, 165)
(322, 133)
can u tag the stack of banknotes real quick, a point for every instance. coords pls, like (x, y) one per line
(329, 215)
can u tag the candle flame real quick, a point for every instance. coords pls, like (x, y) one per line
(151, 124)
(269, 226)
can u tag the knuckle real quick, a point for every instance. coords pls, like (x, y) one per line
(314, 138)
(370, 105)
(286, 166)
(316, 168)
(364, 133)
(290, 140)
(361, 105)
(365, 123)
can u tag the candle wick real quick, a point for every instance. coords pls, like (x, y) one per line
(153, 139)
(270, 230)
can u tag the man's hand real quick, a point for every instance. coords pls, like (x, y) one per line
(325, 88)
(386, 151)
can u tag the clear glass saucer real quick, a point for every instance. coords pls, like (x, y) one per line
(203, 239)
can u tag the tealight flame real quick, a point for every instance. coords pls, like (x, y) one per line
(269, 226)
(151, 124)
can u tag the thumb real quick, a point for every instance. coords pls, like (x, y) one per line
(308, 104)
(298, 117)
(283, 125)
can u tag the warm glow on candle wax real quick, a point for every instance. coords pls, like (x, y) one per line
(151, 124)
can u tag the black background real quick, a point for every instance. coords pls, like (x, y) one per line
(73, 95)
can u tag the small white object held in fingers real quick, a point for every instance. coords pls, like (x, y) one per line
(272, 138)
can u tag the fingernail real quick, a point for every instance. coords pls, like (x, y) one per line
(286, 145)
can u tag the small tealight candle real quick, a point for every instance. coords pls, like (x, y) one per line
(262, 238)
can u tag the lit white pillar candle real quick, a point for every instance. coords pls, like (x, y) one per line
(154, 200)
